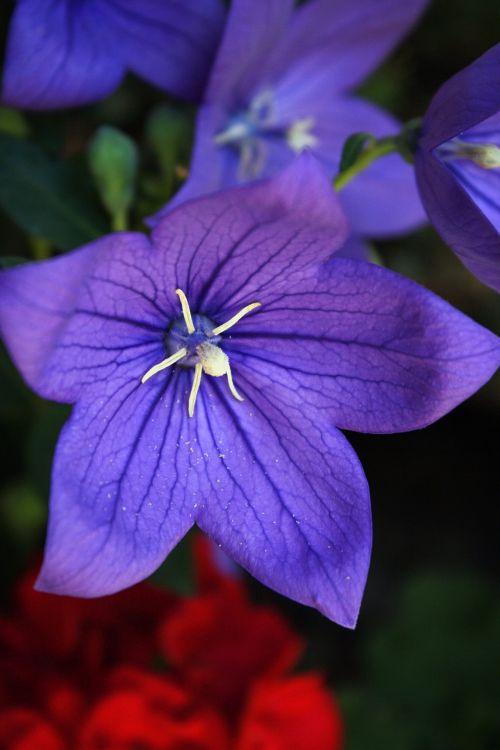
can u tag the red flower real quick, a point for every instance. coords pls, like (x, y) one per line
(295, 713)
(142, 710)
(23, 729)
(219, 643)
(76, 674)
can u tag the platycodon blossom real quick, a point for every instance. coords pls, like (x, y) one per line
(282, 83)
(211, 367)
(458, 165)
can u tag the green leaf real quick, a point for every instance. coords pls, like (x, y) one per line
(352, 149)
(169, 133)
(22, 512)
(113, 161)
(13, 122)
(47, 198)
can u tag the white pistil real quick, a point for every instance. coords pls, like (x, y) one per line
(299, 136)
(212, 359)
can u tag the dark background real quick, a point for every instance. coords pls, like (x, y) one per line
(421, 671)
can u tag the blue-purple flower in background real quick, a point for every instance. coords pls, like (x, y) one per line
(281, 83)
(458, 165)
(64, 53)
(211, 368)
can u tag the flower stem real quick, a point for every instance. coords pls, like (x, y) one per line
(119, 221)
(362, 149)
(374, 151)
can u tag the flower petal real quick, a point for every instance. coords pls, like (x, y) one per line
(289, 499)
(252, 28)
(342, 41)
(78, 318)
(121, 491)
(233, 244)
(472, 95)
(170, 44)
(58, 55)
(374, 350)
(459, 221)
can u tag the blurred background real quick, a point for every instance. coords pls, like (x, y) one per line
(422, 669)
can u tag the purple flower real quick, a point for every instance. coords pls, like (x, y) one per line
(458, 165)
(63, 53)
(158, 341)
(281, 83)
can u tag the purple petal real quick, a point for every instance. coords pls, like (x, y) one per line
(354, 247)
(458, 219)
(249, 37)
(261, 235)
(463, 101)
(121, 491)
(132, 474)
(342, 41)
(373, 350)
(79, 318)
(65, 53)
(481, 184)
(58, 55)
(289, 499)
(170, 44)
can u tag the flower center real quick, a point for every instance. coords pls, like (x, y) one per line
(485, 155)
(247, 129)
(193, 342)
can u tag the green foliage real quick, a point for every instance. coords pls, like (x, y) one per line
(13, 122)
(22, 513)
(169, 132)
(47, 198)
(432, 679)
(177, 572)
(352, 149)
(113, 161)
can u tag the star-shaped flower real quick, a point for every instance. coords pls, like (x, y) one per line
(262, 314)
(281, 83)
(63, 53)
(458, 165)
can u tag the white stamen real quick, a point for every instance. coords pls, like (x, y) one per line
(231, 384)
(485, 155)
(233, 134)
(198, 372)
(299, 137)
(164, 364)
(212, 360)
(230, 323)
(185, 310)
